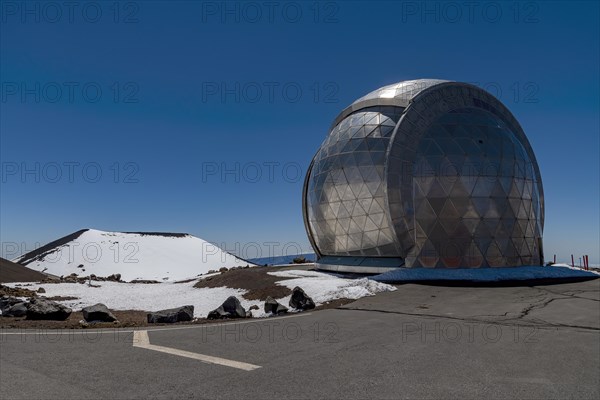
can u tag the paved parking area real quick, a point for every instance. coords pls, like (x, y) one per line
(420, 341)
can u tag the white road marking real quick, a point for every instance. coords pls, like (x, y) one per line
(141, 340)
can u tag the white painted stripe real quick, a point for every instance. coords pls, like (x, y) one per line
(141, 340)
(33, 331)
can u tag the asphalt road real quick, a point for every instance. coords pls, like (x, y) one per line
(418, 342)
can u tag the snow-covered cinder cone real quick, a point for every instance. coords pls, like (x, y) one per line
(130, 256)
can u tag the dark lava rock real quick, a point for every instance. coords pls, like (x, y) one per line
(170, 316)
(231, 308)
(300, 300)
(114, 278)
(99, 313)
(254, 307)
(41, 290)
(41, 308)
(17, 310)
(50, 280)
(274, 307)
(12, 307)
(7, 302)
(71, 278)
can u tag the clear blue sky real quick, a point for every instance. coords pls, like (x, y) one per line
(172, 94)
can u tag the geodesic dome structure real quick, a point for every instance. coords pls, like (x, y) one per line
(424, 173)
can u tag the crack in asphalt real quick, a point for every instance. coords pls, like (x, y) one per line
(544, 324)
(524, 312)
(571, 295)
(537, 301)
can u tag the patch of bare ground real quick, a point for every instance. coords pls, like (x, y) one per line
(62, 298)
(16, 292)
(258, 283)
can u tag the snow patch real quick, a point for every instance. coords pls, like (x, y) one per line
(142, 296)
(321, 287)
